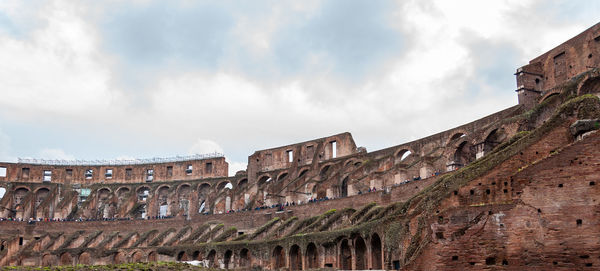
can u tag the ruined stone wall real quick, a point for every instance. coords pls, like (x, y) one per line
(539, 79)
(135, 173)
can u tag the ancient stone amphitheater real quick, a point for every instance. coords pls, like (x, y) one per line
(516, 190)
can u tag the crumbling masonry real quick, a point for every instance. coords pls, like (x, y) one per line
(514, 190)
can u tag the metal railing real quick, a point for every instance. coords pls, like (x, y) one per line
(118, 162)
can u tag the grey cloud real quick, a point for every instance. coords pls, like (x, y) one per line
(352, 38)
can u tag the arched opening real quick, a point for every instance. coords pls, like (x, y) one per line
(184, 198)
(456, 136)
(242, 183)
(376, 255)
(103, 194)
(551, 96)
(41, 195)
(402, 155)
(163, 201)
(119, 258)
(104, 209)
(152, 257)
(143, 193)
(590, 86)
(360, 252)
(203, 193)
(295, 258)
(227, 258)
(493, 139)
(344, 188)
(19, 195)
(303, 172)
(244, 258)
(122, 195)
(263, 180)
(85, 258)
(196, 256)
(345, 256)
(223, 185)
(211, 259)
(463, 155)
(122, 192)
(66, 259)
(2, 192)
(137, 257)
(312, 257)
(182, 256)
(48, 260)
(282, 176)
(278, 258)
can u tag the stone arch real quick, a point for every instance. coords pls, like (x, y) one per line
(184, 187)
(137, 257)
(589, 86)
(360, 253)
(302, 172)
(493, 139)
(263, 179)
(211, 258)
(278, 258)
(376, 252)
(227, 259)
(103, 194)
(222, 185)
(66, 259)
(463, 154)
(120, 258)
(402, 154)
(312, 256)
(196, 256)
(345, 261)
(183, 197)
(143, 192)
(242, 183)
(344, 187)
(40, 195)
(49, 260)
(549, 95)
(19, 195)
(456, 136)
(84, 258)
(152, 256)
(182, 256)
(295, 258)
(203, 195)
(349, 162)
(244, 260)
(122, 191)
(324, 170)
(281, 176)
(162, 193)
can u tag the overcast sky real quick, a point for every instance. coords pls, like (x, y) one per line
(142, 79)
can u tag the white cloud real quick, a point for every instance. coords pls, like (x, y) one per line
(50, 153)
(56, 68)
(204, 146)
(60, 70)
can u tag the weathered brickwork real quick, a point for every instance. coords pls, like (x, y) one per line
(511, 191)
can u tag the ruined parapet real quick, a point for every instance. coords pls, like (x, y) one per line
(115, 171)
(540, 78)
(300, 154)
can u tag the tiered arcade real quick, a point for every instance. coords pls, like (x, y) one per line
(515, 189)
